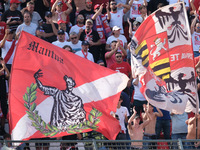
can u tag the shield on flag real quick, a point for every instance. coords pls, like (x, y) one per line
(54, 93)
(163, 45)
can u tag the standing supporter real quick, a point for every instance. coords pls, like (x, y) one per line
(122, 115)
(62, 25)
(93, 38)
(49, 28)
(134, 26)
(117, 15)
(13, 17)
(150, 129)
(75, 43)
(2, 8)
(7, 46)
(134, 10)
(110, 56)
(101, 25)
(153, 5)
(179, 127)
(79, 5)
(79, 27)
(36, 18)
(61, 39)
(163, 124)
(139, 99)
(41, 6)
(58, 14)
(115, 37)
(3, 27)
(88, 11)
(195, 31)
(143, 11)
(4, 75)
(84, 51)
(27, 26)
(136, 130)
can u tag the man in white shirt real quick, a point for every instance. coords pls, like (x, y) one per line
(84, 52)
(61, 39)
(79, 27)
(75, 43)
(27, 26)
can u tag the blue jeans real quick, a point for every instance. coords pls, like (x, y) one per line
(163, 125)
(149, 145)
(179, 136)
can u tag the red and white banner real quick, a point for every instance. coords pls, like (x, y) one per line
(163, 58)
(54, 93)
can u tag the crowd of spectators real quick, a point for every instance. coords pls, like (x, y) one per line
(100, 31)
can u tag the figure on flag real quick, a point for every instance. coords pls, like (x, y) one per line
(68, 107)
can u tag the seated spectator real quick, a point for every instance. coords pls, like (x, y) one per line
(74, 42)
(116, 35)
(84, 51)
(58, 14)
(110, 56)
(49, 28)
(27, 25)
(36, 18)
(61, 39)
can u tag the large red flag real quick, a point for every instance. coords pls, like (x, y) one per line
(163, 58)
(54, 92)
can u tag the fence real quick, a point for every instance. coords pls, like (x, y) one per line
(179, 144)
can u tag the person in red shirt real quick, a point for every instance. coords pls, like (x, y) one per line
(3, 27)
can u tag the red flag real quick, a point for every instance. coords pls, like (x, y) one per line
(54, 93)
(164, 60)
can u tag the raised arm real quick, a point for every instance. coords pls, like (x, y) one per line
(145, 123)
(108, 11)
(194, 23)
(132, 117)
(53, 9)
(98, 12)
(159, 113)
(69, 9)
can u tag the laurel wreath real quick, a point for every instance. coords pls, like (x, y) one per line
(50, 130)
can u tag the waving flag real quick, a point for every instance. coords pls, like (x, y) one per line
(162, 56)
(54, 93)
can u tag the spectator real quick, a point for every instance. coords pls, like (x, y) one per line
(139, 99)
(143, 11)
(93, 38)
(58, 14)
(9, 144)
(163, 124)
(79, 27)
(133, 27)
(88, 11)
(41, 6)
(4, 75)
(62, 25)
(84, 52)
(136, 130)
(110, 56)
(179, 128)
(118, 14)
(115, 37)
(36, 18)
(150, 129)
(27, 26)
(134, 10)
(195, 31)
(8, 45)
(101, 62)
(61, 39)
(3, 27)
(153, 5)
(79, 5)
(40, 33)
(49, 28)
(68, 48)
(2, 8)
(13, 17)
(74, 42)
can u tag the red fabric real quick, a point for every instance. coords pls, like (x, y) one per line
(31, 52)
(197, 4)
(10, 52)
(2, 30)
(123, 67)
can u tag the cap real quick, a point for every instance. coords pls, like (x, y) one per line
(100, 61)
(61, 21)
(61, 31)
(96, 6)
(39, 28)
(48, 13)
(138, 20)
(14, 1)
(85, 43)
(59, 3)
(137, 116)
(89, 20)
(115, 28)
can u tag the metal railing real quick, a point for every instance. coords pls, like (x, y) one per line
(179, 144)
